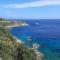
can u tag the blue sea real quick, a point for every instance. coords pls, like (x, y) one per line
(46, 33)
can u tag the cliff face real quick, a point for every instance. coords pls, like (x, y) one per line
(10, 49)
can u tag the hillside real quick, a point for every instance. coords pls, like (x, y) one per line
(10, 49)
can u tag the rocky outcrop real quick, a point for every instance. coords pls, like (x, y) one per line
(10, 49)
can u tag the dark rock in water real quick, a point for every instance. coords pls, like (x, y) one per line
(59, 56)
(29, 38)
(58, 50)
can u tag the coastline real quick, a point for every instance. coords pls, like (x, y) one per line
(17, 24)
(18, 40)
(39, 55)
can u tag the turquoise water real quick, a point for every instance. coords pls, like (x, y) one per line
(44, 32)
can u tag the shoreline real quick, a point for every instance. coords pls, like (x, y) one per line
(8, 27)
(39, 55)
(17, 24)
(18, 40)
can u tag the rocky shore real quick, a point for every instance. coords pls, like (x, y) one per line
(12, 48)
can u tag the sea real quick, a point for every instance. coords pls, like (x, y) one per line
(46, 33)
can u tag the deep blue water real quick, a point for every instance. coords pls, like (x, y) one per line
(44, 32)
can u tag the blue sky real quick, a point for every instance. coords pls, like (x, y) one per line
(30, 9)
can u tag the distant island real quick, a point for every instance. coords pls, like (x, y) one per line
(11, 48)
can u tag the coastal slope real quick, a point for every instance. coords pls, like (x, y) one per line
(10, 49)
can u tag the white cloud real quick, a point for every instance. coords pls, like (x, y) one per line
(39, 3)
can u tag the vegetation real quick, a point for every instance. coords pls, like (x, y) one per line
(2, 19)
(10, 49)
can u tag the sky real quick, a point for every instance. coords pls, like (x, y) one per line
(30, 9)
